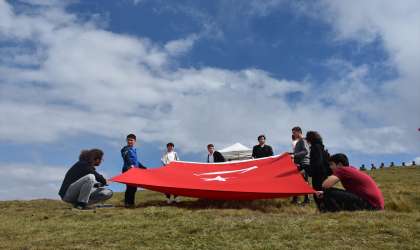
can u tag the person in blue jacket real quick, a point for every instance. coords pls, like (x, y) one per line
(129, 154)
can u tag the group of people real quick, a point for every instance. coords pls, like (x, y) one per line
(309, 155)
(361, 191)
(373, 167)
(258, 151)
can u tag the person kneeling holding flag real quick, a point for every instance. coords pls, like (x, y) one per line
(361, 191)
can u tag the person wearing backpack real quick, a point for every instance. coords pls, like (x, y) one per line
(318, 164)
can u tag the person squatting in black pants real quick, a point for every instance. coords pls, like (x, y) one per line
(317, 185)
(341, 200)
(361, 192)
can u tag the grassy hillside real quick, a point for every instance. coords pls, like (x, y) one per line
(210, 224)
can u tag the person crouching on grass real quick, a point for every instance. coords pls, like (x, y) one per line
(79, 186)
(166, 158)
(361, 191)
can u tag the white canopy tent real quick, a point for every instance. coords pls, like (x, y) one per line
(236, 152)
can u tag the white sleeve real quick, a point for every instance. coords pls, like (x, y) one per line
(163, 159)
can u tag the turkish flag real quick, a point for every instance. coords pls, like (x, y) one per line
(267, 178)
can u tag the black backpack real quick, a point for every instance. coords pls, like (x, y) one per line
(326, 164)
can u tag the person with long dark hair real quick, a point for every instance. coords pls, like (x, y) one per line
(79, 186)
(318, 164)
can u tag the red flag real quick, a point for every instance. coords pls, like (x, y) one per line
(267, 178)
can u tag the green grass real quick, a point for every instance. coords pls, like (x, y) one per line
(217, 224)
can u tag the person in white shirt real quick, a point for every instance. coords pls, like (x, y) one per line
(295, 140)
(166, 158)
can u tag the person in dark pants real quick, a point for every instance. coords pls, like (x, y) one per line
(318, 164)
(261, 150)
(301, 158)
(214, 156)
(129, 154)
(361, 191)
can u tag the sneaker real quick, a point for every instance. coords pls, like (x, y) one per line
(294, 202)
(305, 202)
(177, 200)
(168, 201)
(81, 206)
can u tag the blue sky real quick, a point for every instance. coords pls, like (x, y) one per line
(83, 74)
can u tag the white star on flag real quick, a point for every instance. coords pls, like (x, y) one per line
(218, 178)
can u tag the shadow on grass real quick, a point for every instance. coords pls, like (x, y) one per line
(255, 205)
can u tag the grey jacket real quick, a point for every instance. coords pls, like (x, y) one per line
(302, 151)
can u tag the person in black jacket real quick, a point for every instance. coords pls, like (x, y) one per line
(261, 150)
(79, 186)
(214, 156)
(318, 164)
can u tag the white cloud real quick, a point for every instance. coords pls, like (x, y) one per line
(25, 180)
(84, 79)
(231, 16)
(43, 2)
(77, 78)
(30, 173)
(30, 192)
(32, 180)
(396, 25)
(261, 8)
(180, 46)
